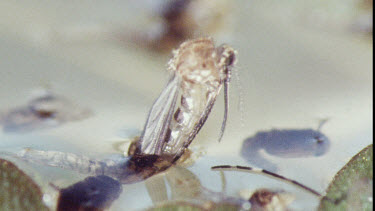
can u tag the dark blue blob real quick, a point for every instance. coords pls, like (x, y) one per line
(93, 193)
(284, 143)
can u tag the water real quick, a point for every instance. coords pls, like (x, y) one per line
(292, 77)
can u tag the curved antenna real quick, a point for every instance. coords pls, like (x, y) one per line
(267, 173)
(226, 109)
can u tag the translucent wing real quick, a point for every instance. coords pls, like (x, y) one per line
(199, 124)
(210, 103)
(211, 98)
(159, 119)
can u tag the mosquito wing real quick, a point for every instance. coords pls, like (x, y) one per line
(199, 124)
(159, 119)
(210, 103)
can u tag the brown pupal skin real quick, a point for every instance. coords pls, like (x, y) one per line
(141, 167)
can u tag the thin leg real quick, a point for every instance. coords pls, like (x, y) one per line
(267, 173)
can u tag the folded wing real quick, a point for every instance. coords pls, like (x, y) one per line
(159, 119)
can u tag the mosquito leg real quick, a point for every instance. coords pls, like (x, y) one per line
(267, 173)
(223, 182)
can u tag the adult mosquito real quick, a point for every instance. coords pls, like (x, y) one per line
(199, 70)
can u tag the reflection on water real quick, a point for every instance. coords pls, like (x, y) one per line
(184, 184)
(45, 111)
(291, 143)
(181, 183)
(179, 187)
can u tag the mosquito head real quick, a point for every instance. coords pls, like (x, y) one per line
(199, 62)
(227, 59)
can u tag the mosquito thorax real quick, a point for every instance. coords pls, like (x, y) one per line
(199, 62)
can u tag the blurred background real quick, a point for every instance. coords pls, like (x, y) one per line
(299, 62)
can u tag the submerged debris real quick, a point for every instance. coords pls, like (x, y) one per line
(93, 193)
(268, 200)
(45, 111)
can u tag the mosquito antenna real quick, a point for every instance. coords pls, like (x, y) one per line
(267, 173)
(226, 108)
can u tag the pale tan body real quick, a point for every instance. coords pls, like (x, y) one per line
(199, 70)
(200, 67)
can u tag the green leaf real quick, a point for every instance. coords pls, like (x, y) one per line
(17, 190)
(351, 188)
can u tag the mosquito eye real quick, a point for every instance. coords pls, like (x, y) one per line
(231, 59)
